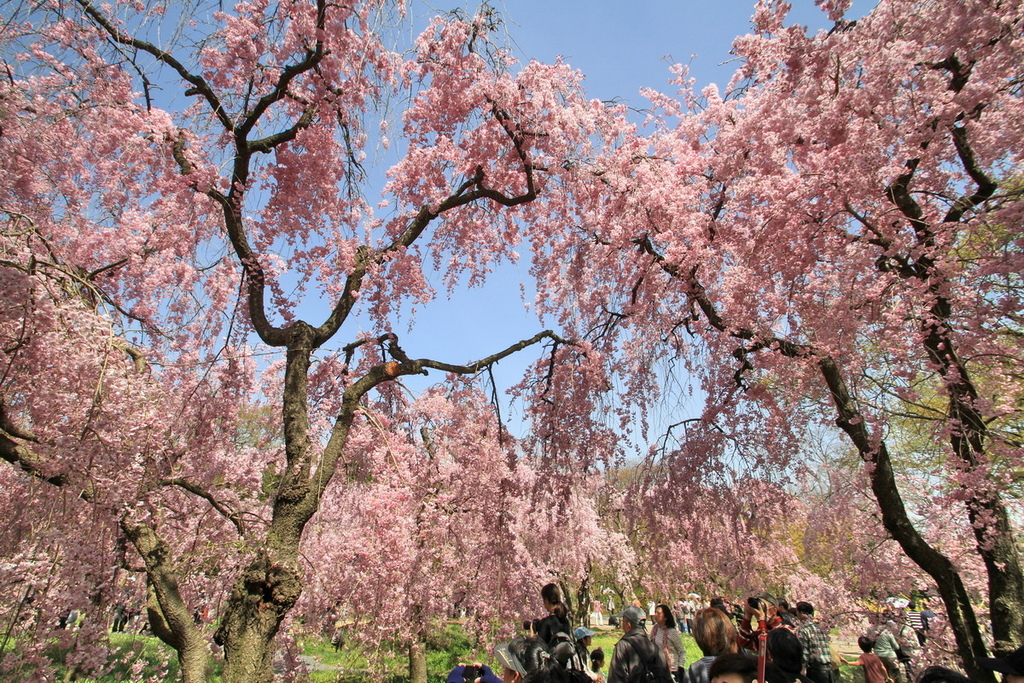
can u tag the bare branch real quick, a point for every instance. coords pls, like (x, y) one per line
(198, 490)
(199, 84)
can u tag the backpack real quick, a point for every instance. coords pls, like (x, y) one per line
(577, 676)
(652, 669)
(562, 647)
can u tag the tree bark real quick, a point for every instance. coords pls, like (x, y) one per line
(169, 616)
(417, 660)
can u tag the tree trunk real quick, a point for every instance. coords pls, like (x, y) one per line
(259, 601)
(583, 602)
(962, 620)
(169, 616)
(417, 660)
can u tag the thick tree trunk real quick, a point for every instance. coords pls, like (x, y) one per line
(969, 436)
(259, 601)
(1005, 584)
(993, 532)
(417, 661)
(581, 611)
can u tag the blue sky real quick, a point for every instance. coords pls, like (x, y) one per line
(624, 45)
(621, 47)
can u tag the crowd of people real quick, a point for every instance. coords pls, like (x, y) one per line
(762, 639)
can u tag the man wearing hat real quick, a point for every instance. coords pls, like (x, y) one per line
(760, 615)
(1011, 666)
(511, 655)
(636, 651)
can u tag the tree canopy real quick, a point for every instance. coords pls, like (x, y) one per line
(201, 366)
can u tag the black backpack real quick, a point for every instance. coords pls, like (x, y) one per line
(577, 676)
(652, 669)
(563, 649)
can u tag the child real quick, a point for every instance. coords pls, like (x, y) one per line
(596, 662)
(874, 667)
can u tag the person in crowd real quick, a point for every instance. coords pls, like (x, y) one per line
(916, 622)
(557, 620)
(666, 637)
(472, 673)
(940, 674)
(596, 664)
(718, 603)
(909, 645)
(875, 670)
(928, 618)
(786, 614)
(785, 657)
(733, 667)
(635, 650)
(885, 648)
(687, 607)
(760, 615)
(816, 644)
(1011, 665)
(715, 635)
(527, 660)
(120, 618)
(581, 657)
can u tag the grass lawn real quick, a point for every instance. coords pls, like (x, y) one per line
(447, 647)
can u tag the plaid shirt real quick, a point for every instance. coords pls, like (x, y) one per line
(817, 650)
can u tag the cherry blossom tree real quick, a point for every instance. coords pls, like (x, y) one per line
(187, 231)
(446, 520)
(832, 242)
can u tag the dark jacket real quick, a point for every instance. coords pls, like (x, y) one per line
(546, 628)
(632, 650)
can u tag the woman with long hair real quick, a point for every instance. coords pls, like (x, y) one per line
(666, 637)
(557, 620)
(527, 660)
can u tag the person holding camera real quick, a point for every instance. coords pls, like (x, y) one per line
(472, 673)
(760, 615)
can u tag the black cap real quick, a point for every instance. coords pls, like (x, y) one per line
(1012, 663)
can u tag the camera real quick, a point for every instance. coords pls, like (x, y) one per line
(527, 625)
(471, 673)
(755, 603)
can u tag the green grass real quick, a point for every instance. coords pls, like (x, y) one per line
(445, 648)
(390, 664)
(126, 650)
